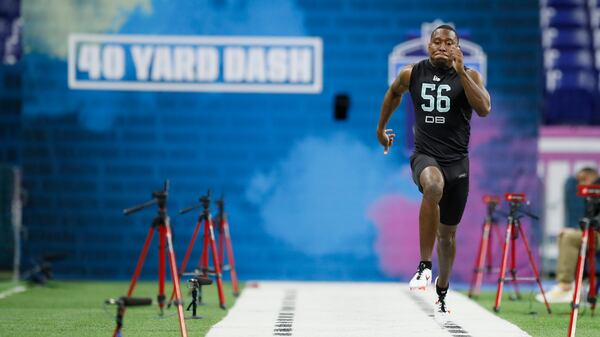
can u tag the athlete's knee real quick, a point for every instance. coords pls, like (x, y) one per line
(446, 234)
(432, 182)
(433, 192)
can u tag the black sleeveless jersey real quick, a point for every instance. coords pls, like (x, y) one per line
(442, 113)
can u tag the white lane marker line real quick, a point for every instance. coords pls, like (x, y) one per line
(12, 291)
(453, 328)
(285, 320)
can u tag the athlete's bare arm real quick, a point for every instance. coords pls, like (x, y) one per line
(391, 101)
(477, 94)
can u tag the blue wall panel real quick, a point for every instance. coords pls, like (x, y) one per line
(298, 184)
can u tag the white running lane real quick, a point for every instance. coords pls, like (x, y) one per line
(320, 309)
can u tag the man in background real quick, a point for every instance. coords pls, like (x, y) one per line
(569, 244)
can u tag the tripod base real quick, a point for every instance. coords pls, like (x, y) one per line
(514, 297)
(587, 251)
(513, 229)
(484, 259)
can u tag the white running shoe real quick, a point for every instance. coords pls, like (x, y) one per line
(557, 295)
(441, 312)
(421, 279)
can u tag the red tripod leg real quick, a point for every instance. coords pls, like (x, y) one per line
(216, 263)
(140, 263)
(489, 260)
(234, 280)
(175, 277)
(513, 264)
(592, 268)
(478, 269)
(220, 246)
(203, 264)
(578, 280)
(136, 273)
(507, 242)
(161, 268)
(187, 256)
(498, 234)
(534, 268)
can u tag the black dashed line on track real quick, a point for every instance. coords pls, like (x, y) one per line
(285, 319)
(454, 329)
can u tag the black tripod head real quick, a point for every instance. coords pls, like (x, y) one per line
(491, 202)
(123, 302)
(516, 202)
(591, 193)
(204, 204)
(158, 197)
(198, 280)
(221, 204)
(205, 200)
(129, 301)
(161, 196)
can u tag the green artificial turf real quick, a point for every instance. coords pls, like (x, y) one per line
(77, 309)
(9, 285)
(531, 316)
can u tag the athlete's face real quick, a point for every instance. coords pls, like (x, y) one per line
(441, 43)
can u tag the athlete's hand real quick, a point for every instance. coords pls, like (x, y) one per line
(458, 60)
(386, 138)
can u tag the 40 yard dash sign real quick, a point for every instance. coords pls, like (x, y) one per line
(243, 64)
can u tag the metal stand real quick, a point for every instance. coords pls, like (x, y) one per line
(162, 223)
(484, 253)
(225, 235)
(589, 224)
(513, 230)
(209, 239)
(196, 283)
(123, 302)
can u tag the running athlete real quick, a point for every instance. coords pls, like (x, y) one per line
(444, 93)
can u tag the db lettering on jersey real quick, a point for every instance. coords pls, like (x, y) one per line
(435, 119)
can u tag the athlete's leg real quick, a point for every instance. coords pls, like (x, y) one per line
(452, 207)
(432, 183)
(428, 176)
(446, 250)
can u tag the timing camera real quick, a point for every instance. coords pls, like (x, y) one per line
(515, 197)
(591, 193)
(193, 283)
(491, 199)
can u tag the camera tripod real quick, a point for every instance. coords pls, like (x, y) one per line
(513, 230)
(224, 235)
(209, 239)
(589, 225)
(484, 253)
(162, 223)
(122, 303)
(195, 283)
